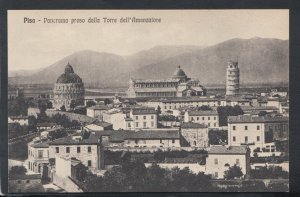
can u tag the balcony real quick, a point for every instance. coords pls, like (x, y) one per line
(247, 143)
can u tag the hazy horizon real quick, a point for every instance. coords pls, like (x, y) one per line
(40, 45)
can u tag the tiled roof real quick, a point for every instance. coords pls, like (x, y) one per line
(142, 111)
(44, 144)
(25, 177)
(182, 160)
(99, 107)
(102, 123)
(18, 117)
(248, 108)
(155, 80)
(203, 113)
(166, 89)
(46, 124)
(192, 125)
(117, 136)
(255, 119)
(239, 150)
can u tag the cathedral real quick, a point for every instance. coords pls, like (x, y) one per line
(68, 90)
(179, 85)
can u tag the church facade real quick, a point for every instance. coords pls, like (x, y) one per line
(68, 90)
(179, 85)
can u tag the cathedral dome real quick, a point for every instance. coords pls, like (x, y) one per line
(179, 73)
(69, 76)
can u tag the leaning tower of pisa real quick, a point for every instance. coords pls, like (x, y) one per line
(232, 79)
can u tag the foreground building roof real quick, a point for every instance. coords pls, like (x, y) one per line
(256, 119)
(231, 150)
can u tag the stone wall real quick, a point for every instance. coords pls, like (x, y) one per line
(66, 183)
(72, 116)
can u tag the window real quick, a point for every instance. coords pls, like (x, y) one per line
(136, 117)
(215, 118)
(173, 141)
(233, 138)
(208, 118)
(237, 162)
(197, 118)
(246, 127)
(160, 141)
(233, 128)
(78, 149)
(216, 174)
(257, 127)
(145, 124)
(144, 117)
(216, 161)
(202, 118)
(57, 149)
(209, 124)
(40, 154)
(215, 124)
(258, 138)
(67, 149)
(136, 141)
(89, 163)
(27, 181)
(152, 124)
(246, 139)
(152, 117)
(129, 125)
(89, 149)
(136, 124)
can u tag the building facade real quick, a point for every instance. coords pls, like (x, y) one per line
(256, 131)
(179, 85)
(194, 135)
(209, 118)
(232, 79)
(68, 90)
(220, 158)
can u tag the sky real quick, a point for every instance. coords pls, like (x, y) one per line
(37, 45)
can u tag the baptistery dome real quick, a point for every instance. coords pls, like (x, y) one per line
(179, 74)
(69, 76)
(68, 90)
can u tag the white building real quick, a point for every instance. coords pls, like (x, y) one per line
(256, 131)
(137, 118)
(206, 117)
(38, 156)
(97, 111)
(22, 120)
(220, 158)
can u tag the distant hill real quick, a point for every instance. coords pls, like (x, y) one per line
(260, 61)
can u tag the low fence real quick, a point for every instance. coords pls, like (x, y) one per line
(150, 149)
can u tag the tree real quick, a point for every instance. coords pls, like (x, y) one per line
(63, 108)
(81, 172)
(17, 171)
(262, 113)
(204, 108)
(90, 103)
(49, 105)
(107, 101)
(225, 111)
(216, 137)
(233, 172)
(158, 111)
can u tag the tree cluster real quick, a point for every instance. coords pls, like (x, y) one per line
(233, 172)
(135, 177)
(225, 111)
(217, 137)
(271, 172)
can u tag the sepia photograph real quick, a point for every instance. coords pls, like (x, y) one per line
(148, 100)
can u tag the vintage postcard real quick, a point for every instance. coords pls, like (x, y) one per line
(148, 100)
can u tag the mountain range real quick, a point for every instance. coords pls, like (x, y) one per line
(261, 60)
